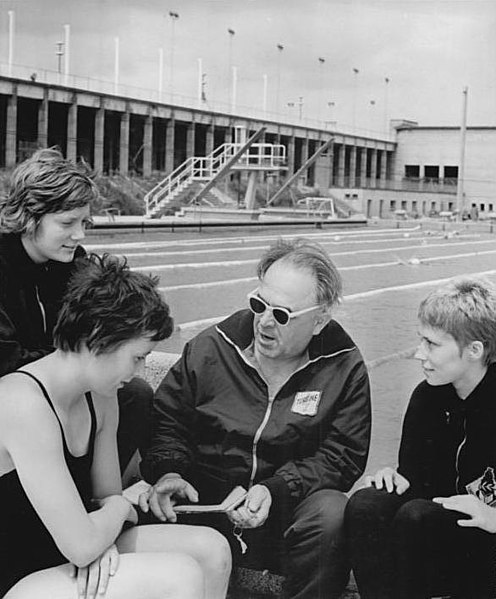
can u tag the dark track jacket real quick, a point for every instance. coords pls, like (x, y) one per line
(30, 299)
(215, 425)
(448, 442)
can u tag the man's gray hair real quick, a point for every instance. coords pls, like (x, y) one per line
(310, 256)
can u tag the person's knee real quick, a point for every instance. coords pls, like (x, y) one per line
(211, 549)
(331, 507)
(184, 577)
(414, 515)
(370, 505)
(320, 514)
(43, 584)
(158, 574)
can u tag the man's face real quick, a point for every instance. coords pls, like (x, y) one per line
(57, 235)
(287, 286)
(441, 358)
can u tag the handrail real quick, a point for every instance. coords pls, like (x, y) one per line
(205, 168)
(304, 167)
(227, 166)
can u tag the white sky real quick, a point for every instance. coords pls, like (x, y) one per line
(429, 50)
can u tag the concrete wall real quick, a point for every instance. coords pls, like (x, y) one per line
(441, 146)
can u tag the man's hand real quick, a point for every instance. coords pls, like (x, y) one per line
(94, 578)
(389, 478)
(481, 515)
(255, 509)
(161, 498)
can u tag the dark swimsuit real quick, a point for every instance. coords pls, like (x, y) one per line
(26, 546)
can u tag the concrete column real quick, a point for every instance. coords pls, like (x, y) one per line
(72, 130)
(124, 143)
(304, 151)
(169, 145)
(43, 120)
(190, 140)
(147, 146)
(251, 189)
(209, 140)
(341, 155)
(11, 133)
(363, 168)
(373, 168)
(383, 168)
(353, 163)
(291, 156)
(331, 151)
(99, 133)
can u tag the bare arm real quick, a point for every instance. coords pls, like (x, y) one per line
(105, 472)
(31, 435)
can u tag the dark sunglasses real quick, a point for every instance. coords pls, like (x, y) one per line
(281, 315)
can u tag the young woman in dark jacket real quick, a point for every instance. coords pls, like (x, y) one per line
(404, 543)
(43, 220)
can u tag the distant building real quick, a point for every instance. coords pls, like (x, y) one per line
(415, 169)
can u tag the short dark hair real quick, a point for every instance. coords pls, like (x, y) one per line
(465, 308)
(107, 304)
(43, 184)
(311, 256)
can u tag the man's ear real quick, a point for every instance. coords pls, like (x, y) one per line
(322, 318)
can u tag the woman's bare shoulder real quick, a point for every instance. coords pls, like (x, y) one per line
(22, 401)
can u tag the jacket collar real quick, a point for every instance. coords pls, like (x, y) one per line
(333, 339)
(17, 256)
(14, 254)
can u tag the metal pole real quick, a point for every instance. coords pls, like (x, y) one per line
(67, 41)
(280, 48)
(321, 84)
(160, 73)
(174, 16)
(59, 53)
(11, 14)
(234, 84)
(386, 108)
(231, 33)
(355, 75)
(116, 65)
(200, 82)
(460, 199)
(264, 101)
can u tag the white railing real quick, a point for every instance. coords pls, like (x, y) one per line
(258, 156)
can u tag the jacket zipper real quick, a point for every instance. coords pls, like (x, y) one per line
(42, 310)
(457, 482)
(262, 426)
(256, 439)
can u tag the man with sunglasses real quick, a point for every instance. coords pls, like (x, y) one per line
(274, 398)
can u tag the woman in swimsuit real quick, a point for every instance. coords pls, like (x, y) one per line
(66, 528)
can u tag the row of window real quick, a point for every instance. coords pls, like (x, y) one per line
(433, 206)
(413, 171)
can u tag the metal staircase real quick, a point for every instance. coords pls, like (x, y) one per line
(204, 169)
